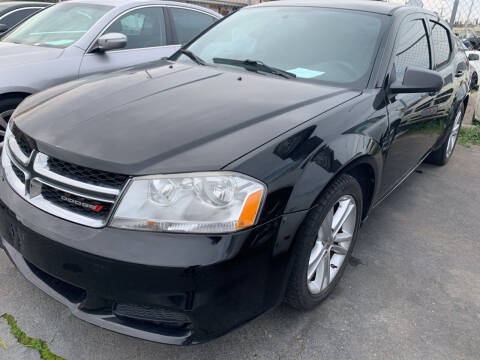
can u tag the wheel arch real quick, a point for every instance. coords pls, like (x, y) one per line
(365, 170)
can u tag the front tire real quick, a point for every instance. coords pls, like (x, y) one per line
(324, 243)
(442, 155)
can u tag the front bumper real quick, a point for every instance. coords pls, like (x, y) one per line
(171, 288)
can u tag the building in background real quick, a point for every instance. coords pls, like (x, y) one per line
(224, 7)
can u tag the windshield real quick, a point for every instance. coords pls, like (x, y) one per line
(317, 44)
(58, 26)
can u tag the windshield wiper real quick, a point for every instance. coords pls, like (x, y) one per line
(192, 56)
(254, 65)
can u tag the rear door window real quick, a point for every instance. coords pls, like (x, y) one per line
(190, 23)
(441, 43)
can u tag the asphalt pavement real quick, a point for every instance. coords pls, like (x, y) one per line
(412, 292)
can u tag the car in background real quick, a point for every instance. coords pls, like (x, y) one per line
(14, 12)
(474, 65)
(78, 38)
(472, 37)
(472, 60)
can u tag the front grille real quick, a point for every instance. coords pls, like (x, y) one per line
(72, 192)
(19, 173)
(155, 315)
(24, 146)
(86, 175)
(77, 204)
(25, 143)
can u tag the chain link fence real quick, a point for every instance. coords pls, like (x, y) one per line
(462, 15)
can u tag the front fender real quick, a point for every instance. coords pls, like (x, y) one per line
(332, 159)
(34, 76)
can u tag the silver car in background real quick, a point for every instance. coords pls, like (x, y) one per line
(82, 37)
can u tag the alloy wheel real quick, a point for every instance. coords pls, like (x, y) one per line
(4, 117)
(454, 134)
(333, 242)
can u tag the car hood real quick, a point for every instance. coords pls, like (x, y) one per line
(170, 118)
(13, 55)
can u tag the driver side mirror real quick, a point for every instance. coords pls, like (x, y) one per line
(3, 28)
(417, 80)
(110, 41)
(473, 57)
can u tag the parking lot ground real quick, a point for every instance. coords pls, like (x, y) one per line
(413, 291)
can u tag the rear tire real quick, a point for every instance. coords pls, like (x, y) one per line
(324, 243)
(442, 155)
(7, 106)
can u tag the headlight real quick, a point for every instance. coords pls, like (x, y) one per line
(191, 203)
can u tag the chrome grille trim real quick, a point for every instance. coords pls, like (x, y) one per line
(45, 205)
(7, 163)
(40, 181)
(40, 166)
(73, 192)
(17, 152)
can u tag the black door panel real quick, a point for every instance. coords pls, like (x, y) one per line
(414, 118)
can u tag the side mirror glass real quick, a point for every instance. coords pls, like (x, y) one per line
(3, 28)
(110, 41)
(417, 80)
(473, 57)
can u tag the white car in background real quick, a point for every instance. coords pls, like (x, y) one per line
(474, 61)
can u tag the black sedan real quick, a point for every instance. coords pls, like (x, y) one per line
(178, 200)
(14, 12)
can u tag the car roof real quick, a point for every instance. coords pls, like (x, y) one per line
(108, 2)
(126, 2)
(24, 3)
(380, 7)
